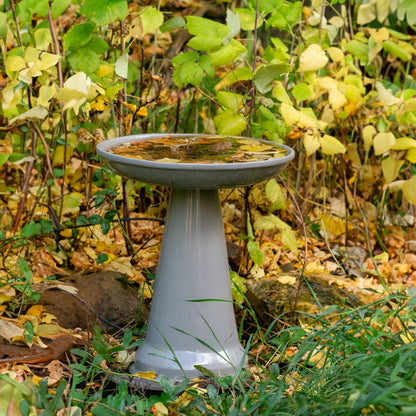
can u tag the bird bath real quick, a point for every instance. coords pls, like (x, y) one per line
(192, 320)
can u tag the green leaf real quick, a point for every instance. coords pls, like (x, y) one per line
(301, 92)
(95, 219)
(204, 43)
(190, 73)
(248, 19)
(358, 49)
(277, 20)
(227, 53)
(98, 45)
(288, 238)
(238, 285)
(267, 6)
(31, 229)
(199, 26)
(29, 333)
(105, 227)
(185, 56)
(266, 74)
(230, 123)
(279, 92)
(3, 158)
(255, 253)
(78, 35)
(243, 73)
(408, 8)
(151, 19)
(3, 24)
(176, 22)
(25, 269)
(396, 50)
(230, 100)
(104, 12)
(205, 63)
(84, 59)
(275, 195)
(102, 258)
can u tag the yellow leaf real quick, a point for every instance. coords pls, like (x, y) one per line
(411, 156)
(390, 168)
(312, 58)
(100, 103)
(159, 409)
(71, 98)
(383, 142)
(47, 60)
(44, 330)
(311, 143)
(409, 190)
(379, 35)
(288, 238)
(331, 146)
(410, 105)
(46, 92)
(47, 318)
(105, 71)
(142, 112)
(307, 119)
(72, 203)
(336, 98)
(286, 279)
(148, 375)
(335, 54)
(14, 63)
(314, 267)
(404, 143)
(383, 257)
(31, 54)
(35, 112)
(368, 133)
(35, 310)
(333, 225)
(268, 222)
(290, 114)
(327, 83)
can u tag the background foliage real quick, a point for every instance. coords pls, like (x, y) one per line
(334, 80)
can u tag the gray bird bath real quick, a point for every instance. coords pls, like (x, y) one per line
(192, 320)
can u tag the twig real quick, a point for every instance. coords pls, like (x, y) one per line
(19, 38)
(25, 185)
(47, 153)
(64, 119)
(253, 86)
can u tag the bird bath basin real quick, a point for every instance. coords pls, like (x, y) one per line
(192, 320)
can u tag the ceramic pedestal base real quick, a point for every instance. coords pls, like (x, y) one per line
(192, 318)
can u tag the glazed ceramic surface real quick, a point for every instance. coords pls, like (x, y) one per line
(191, 175)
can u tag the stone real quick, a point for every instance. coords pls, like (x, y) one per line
(104, 299)
(270, 298)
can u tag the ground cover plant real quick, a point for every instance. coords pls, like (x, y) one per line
(334, 80)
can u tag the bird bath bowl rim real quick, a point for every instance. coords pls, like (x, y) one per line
(192, 175)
